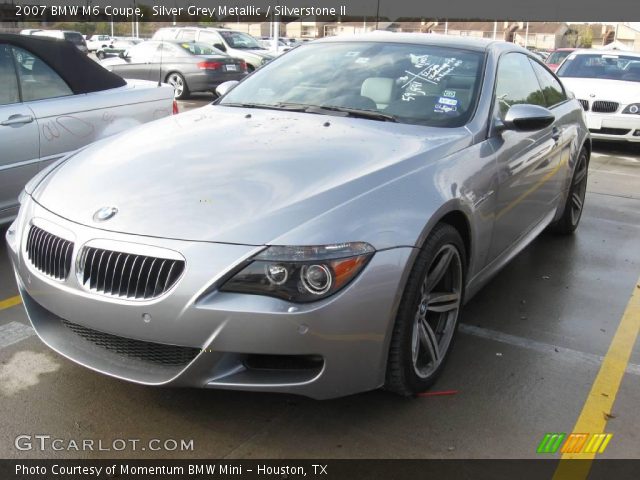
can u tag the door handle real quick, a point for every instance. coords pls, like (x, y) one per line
(17, 120)
(556, 133)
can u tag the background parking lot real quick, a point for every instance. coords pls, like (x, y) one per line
(530, 346)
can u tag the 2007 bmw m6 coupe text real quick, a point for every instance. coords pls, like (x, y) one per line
(316, 230)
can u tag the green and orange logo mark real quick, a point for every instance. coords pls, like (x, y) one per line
(574, 443)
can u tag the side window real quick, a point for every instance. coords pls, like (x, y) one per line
(209, 38)
(9, 92)
(37, 79)
(143, 52)
(187, 35)
(516, 82)
(551, 87)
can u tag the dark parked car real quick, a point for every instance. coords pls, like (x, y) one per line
(187, 66)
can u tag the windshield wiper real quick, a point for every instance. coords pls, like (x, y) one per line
(320, 110)
(352, 112)
(289, 107)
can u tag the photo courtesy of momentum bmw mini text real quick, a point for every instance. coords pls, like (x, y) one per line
(347, 240)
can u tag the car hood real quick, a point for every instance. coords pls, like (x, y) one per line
(620, 91)
(235, 175)
(259, 53)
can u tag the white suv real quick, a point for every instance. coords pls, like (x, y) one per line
(234, 43)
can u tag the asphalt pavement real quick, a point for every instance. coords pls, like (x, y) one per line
(530, 348)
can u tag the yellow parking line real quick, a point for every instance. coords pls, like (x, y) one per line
(10, 302)
(598, 405)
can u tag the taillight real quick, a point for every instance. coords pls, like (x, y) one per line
(243, 66)
(175, 108)
(208, 65)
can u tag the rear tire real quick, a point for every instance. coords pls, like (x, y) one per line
(179, 84)
(574, 206)
(428, 314)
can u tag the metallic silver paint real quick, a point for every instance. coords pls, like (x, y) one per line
(64, 124)
(286, 180)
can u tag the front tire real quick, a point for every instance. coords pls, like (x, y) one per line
(179, 84)
(572, 213)
(428, 314)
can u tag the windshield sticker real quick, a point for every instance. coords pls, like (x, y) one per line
(447, 101)
(449, 93)
(441, 108)
(362, 60)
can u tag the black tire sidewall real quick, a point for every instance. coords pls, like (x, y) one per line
(407, 381)
(565, 224)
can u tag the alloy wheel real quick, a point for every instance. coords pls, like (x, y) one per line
(177, 83)
(437, 311)
(578, 189)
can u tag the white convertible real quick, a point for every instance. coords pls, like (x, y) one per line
(55, 100)
(607, 84)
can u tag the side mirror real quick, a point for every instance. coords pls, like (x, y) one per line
(220, 46)
(527, 118)
(223, 88)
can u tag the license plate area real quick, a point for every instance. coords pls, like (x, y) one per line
(594, 123)
(231, 68)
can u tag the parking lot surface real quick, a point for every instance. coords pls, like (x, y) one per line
(531, 344)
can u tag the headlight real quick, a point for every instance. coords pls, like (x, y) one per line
(633, 108)
(301, 274)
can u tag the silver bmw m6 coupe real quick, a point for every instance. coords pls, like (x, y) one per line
(314, 231)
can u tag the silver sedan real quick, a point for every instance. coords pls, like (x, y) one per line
(316, 230)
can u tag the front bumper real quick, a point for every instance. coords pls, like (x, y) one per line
(348, 333)
(617, 127)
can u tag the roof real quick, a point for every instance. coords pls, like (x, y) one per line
(82, 74)
(590, 51)
(469, 43)
(469, 26)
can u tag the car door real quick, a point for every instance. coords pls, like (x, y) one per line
(57, 112)
(137, 61)
(167, 58)
(19, 143)
(526, 161)
(556, 100)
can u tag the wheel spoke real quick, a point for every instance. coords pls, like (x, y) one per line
(580, 175)
(428, 340)
(576, 201)
(437, 272)
(443, 301)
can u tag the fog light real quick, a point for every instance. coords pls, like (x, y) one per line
(316, 278)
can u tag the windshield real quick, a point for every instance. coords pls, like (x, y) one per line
(606, 66)
(197, 48)
(239, 40)
(418, 84)
(556, 58)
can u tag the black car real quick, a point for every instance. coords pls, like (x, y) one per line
(188, 66)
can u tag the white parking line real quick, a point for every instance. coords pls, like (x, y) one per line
(547, 349)
(13, 332)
